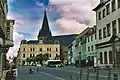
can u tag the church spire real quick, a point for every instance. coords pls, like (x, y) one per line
(45, 31)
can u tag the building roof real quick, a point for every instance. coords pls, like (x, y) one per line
(45, 31)
(100, 5)
(65, 39)
(32, 42)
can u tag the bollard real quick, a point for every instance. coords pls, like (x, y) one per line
(77, 77)
(80, 73)
(115, 76)
(88, 74)
(109, 74)
(70, 77)
(97, 74)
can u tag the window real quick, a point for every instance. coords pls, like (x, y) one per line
(33, 49)
(8, 32)
(118, 3)
(8, 23)
(110, 57)
(23, 49)
(103, 13)
(92, 48)
(33, 55)
(108, 9)
(100, 34)
(23, 55)
(30, 49)
(113, 5)
(108, 30)
(40, 49)
(30, 55)
(56, 54)
(88, 48)
(50, 55)
(114, 27)
(56, 49)
(99, 15)
(95, 36)
(105, 57)
(104, 32)
(119, 24)
(91, 38)
(88, 39)
(50, 49)
(101, 58)
(47, 49)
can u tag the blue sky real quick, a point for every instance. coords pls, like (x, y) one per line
(65, 17)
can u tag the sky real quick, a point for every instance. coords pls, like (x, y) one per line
(64, 16)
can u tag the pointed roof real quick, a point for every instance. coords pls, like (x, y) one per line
(45, 31)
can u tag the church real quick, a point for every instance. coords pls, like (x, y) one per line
(54, 46)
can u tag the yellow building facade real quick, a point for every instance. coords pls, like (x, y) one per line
(32, 50)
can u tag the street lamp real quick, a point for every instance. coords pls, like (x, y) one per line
(1, 57)
(117, 51)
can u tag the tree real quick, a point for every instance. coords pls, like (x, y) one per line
(15, 60)
(45, 56)
(28, 60)
(39, 58)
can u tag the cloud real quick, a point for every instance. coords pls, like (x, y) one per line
(23, 29)
(22, 25)
(16, 38)
(39, 4)
(75, 15)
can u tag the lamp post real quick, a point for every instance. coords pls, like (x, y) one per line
(117, 51)
(1, 57)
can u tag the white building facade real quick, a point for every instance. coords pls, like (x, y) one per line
(90, 46)
(108, 30)
(72, 55)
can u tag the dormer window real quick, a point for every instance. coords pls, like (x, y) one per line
(56, 42)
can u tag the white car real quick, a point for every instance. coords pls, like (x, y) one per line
(39, 65)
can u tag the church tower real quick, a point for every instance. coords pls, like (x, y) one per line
(45, 33)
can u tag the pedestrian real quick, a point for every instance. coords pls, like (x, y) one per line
(30, 70)
(37, 69)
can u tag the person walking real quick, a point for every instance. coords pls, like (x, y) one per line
(37, 69)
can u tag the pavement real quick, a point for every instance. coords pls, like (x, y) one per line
(61, 73)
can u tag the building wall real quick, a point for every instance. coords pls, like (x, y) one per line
(90, 43)
(37, 51)
(75, 55)
(72, 56)
(102, 23)
(101, 61)
(106, 20)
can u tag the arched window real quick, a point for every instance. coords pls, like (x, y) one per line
(101, 58)
(110, 57)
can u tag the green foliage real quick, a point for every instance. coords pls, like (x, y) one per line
(39, 58)
(29, 59)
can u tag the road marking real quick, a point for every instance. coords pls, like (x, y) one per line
(52, 76)
(77, 72)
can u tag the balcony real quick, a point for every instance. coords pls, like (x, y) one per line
(8, 43)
